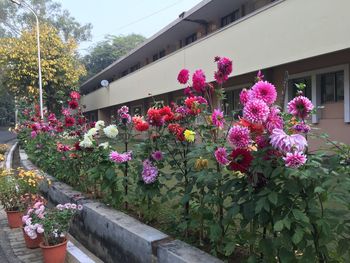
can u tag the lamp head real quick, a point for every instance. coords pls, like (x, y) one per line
(17, 2)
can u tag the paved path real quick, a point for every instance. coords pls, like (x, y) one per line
(12, 246)
(5, 135)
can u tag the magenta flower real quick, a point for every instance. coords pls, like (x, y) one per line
(302, 128)
(218, 118)
(149, 172)
(221, 156)
(238, 136)
(33, 134)
(120, 157)
(157, 155)
(274, 120)
(300, 107)
(244, 96)
(66, 111)
(295, 159)
(183, 76)
(198, 80)
(224, 69)
(264, 91)
(256, 111)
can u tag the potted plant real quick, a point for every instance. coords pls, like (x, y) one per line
(33, 230)
(54, 225)
(11, 191)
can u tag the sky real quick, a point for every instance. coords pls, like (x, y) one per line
(122, 17)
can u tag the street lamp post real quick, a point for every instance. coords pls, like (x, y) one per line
(22, 3)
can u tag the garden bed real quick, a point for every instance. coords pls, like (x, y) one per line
(117, 236)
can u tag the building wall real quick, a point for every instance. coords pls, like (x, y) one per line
(278, 34)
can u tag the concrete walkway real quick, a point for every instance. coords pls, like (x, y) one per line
(5, 135)
(12, 246)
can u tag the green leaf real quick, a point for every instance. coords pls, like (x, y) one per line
(287, 222)
(278, 226)
(301, 216)
(319, 190)
(273, 198)
(298, 235)
(343, 246)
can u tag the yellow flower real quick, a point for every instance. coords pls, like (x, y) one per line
(189, 135)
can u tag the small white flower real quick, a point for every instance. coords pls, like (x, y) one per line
(105, 145)
(86, 143)
(40, 229)
(74, 206)
(91, 132)
(99, 125)
(80, 207)
(111, 131)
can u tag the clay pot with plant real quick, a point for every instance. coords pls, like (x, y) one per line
(11, 192)
(53, 225)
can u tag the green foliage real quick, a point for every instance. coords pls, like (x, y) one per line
(109, 50)
(11, 191)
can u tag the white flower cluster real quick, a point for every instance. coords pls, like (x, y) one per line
(111, 131)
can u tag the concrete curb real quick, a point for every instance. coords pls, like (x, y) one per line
(114, 236)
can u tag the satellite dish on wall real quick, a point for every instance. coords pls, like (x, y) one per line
(104, 83)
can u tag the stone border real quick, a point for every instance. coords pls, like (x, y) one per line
(114, 236)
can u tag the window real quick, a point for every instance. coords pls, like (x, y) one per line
(232, 102)
(230, 18)
(162, 53)
(332, 87)
(155, 57)
(293, 88)
(135, 67)
(190, 39)
(125, 72)
(137, 110)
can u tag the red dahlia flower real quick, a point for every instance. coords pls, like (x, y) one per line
(73, 104)
(241, 160)
(69, 121)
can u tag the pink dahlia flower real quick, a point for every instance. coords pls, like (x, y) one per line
(265, 91)
(238, 136)
(256, 111)
(286, 143)
(300, 107)
(218, 118)
(75, 95)
(33, 134)
(149, 172)
(120, 157)
(295, 159)
(183, 76)
(244, 96)
(221, 156)
(157, 155)
(274, 120)
(198, 80)
(224, 69)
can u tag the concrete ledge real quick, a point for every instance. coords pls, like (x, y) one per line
(9, 156)
(177, 251)
(114, 236)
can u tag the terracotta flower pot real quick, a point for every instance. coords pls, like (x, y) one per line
(54, 254)
(32, 243)
(14, 218)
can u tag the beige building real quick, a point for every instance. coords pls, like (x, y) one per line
(296, 40)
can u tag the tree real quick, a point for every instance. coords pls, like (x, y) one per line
(14, 19)
(109, 50)
(61, 68)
